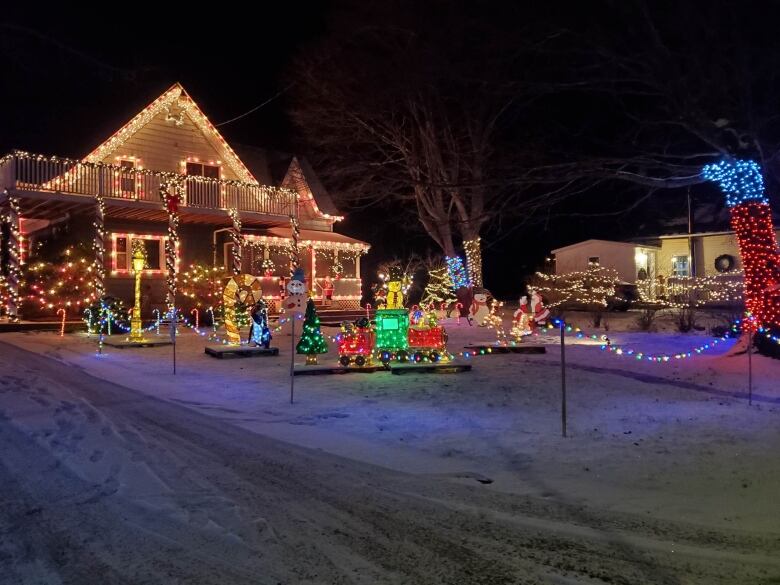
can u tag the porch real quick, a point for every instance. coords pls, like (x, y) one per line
(48, 186)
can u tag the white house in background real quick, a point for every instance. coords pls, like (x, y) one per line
(630, 260)
(669, 256)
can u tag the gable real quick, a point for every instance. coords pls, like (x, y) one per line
(311, 194)
(168, 132)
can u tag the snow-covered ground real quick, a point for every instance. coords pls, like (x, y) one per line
(662, 457)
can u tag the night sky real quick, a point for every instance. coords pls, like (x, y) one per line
(68, 82)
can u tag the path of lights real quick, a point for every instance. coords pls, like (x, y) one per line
(751, 218)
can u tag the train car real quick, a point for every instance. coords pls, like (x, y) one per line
(390, 338)
(427, 343)
(356, 343)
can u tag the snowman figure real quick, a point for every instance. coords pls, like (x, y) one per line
(295, 303)
(480, 307)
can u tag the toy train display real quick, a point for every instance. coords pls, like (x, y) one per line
(391, 337)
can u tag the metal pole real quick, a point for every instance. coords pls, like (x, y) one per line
(173, 337)
(563, 378)
(292, 360)
(750, 367)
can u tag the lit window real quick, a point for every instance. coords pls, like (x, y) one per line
(593, 260)
(680, 266)
(123, 257)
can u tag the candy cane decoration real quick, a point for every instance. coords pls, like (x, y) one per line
(156, 313)
(62, 325)
(458, 308)
(197, 318)
(248, 284)
(99, 246)
(14, 260)
(88, 315)
(368, 310)
(213, 320)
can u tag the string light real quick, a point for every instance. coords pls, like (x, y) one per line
(235, 235)
(473, 250)
(456, 272)
(594, 286)
(172, 194)
(312, 341)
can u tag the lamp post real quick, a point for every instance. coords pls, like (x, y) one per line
(139, 262)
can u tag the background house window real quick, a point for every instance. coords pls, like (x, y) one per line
(593, 260)
(680, 266)
(201, 170)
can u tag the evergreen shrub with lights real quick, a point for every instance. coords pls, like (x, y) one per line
(201, 286)
(58, 280)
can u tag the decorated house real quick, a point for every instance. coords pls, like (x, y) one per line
(235, 207)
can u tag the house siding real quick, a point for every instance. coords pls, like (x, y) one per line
(162, 146)
(615, 255)
(706, 248)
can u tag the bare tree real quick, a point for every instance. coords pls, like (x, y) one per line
(403, 109)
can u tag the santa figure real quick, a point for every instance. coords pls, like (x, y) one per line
(522, 323)
(480, 307)
(540, 313)
(295, 303)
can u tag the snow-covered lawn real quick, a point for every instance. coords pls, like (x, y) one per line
(673, 441)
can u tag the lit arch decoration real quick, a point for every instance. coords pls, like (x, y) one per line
(751, 218)
(243, 288)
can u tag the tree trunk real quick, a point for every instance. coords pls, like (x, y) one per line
(473, 249)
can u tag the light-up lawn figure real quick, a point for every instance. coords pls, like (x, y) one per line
(312, 341)
(751, 218)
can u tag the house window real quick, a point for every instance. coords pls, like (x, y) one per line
(127, 177)
(202, 170)
(680, 266)
(593, 260)
(123, 252)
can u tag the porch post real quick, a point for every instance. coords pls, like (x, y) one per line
(357, 265)
(235, 235)
(13, 303)
(99, 246)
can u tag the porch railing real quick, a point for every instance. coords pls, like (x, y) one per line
(22, 171)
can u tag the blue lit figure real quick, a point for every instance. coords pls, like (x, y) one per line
(259, 333)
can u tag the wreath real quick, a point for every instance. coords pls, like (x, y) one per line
(725, 263)
(268, 265)
(338, 270)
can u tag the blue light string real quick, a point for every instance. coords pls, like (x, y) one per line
(740, 180)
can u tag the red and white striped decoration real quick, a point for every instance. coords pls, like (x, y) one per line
(13, 306)
(235, 235)
(99, 246)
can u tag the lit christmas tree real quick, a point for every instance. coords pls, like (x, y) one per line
(439, 289)
(312, 341)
